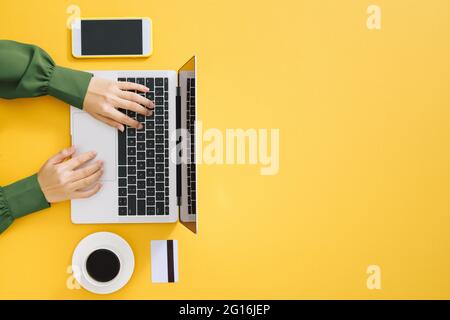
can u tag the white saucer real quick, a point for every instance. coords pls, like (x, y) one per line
(103, 240)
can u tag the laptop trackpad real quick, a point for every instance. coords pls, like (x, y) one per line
(90, 134)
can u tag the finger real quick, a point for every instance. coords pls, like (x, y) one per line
(86, 182)
(62, 155)
(87, 193)
(132, 86)
(109, 122)
(86, 171)
(133, 106)
(77, 161)
(131, 96)
(120, 117)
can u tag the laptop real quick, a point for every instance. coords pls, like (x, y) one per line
(150, 174)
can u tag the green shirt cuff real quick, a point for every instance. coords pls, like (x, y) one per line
(24, 197)
(69, 85)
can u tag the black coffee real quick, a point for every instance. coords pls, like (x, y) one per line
(103, 265)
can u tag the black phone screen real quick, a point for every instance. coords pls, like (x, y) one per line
(111, 37)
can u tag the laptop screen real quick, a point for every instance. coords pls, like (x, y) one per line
(188, 112)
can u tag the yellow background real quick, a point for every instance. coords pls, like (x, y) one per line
(364, 174)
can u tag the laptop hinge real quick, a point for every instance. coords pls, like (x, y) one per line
(178, 143)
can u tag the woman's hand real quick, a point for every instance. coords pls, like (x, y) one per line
(62, 180)
(104, 97)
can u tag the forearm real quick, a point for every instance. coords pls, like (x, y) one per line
(28, 71)
(19, 199)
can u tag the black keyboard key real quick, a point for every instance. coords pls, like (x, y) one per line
(159, 167)
(159, 92)
(122, 171)
(141, 194)
(151, 201)
(131, 179)
(160, 187)
(141, 174)
(140, 156)
(141, 207)
(131, 170)
(122, 201)
(131, 80)
(150, 144)
(141, 184)
(122, 182)
(159, 82)
(122, 79)
(159, 112)
(141, 165)
(140, 136)
(140, 117)
(159, 101)
(123, 211)
(131, 189)
(141, 146)
(166, 84)
(150, 182)
(150, 172)
(131, 205)
(150, 162)
(150, 211)
(122, 191)
(150, 96)
(150, 83)
(131, 161)
(160, 177)
(159, 129)
(159, 196)
(131, 131)
(160, 157)
(159, 148)
(140, 81)
(166, 210)
(131, 141)
(131, 151)
(150, 192)
(150, 124)
(159, 138)
(122, 141)
(160, 208)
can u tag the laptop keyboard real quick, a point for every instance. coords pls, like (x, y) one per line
(190, 125)
(144, 155)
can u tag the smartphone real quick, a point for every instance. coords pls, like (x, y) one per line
(112, 37)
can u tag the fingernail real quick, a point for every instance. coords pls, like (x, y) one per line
(121, 128)
(140, 126)
(147, 89)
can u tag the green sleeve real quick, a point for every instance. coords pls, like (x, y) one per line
(28, 71)
(19, 199)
